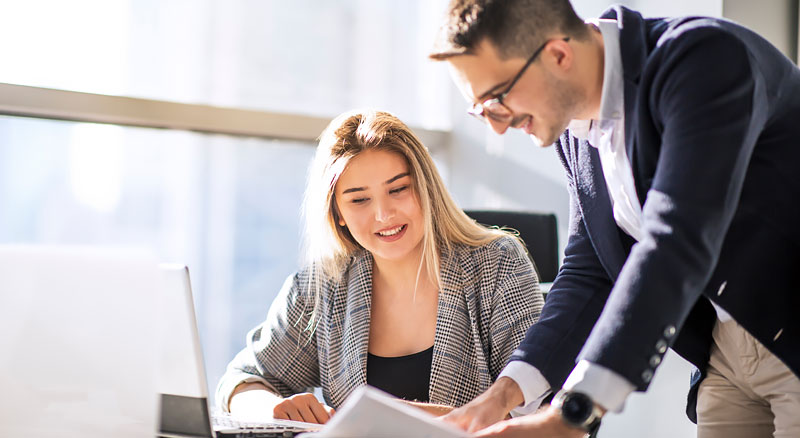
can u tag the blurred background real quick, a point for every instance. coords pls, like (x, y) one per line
(228, 205)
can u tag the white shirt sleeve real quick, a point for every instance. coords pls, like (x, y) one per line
(603, 386)
(227, 386)
(532, 383)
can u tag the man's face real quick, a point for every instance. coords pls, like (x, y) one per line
(542, 100)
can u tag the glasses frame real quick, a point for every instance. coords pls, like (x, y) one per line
(479, 109)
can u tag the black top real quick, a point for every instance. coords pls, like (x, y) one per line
(406, 377)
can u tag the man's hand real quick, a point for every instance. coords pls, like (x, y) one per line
(488, 408)
(302, 407)
(545, 423)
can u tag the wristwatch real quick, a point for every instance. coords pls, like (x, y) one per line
(578, 410)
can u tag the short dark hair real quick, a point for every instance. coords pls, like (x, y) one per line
(515, 27)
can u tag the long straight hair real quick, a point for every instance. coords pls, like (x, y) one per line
(328, 247)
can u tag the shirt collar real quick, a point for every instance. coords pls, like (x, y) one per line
(612, 99)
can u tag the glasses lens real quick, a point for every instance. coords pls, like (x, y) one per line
(477, 111)
(497, 111)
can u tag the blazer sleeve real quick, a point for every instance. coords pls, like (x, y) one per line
(282, 351)
(573, 304)
(517, 303)
(703, 100)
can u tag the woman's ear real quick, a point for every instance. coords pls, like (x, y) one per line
(336, 215)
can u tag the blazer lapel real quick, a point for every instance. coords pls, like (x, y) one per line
(357, 320)
(452, 323)
(633, 50)
(595, 205)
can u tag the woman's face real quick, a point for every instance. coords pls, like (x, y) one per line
(377, 202)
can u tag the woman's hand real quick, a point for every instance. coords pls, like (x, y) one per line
(255, 401)
(302, 407)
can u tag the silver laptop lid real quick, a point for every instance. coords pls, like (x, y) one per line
(78, 342)
(181, 370)
(184, 404)
(184, 408)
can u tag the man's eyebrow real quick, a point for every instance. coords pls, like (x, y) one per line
(491, 92)
(388, 181)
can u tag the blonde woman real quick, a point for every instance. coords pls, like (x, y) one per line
(401, 290)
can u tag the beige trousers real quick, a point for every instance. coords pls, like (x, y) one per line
(748, 393)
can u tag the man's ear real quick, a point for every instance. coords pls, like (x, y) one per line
(560, 53)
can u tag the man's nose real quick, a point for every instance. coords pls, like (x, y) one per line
(497, 126)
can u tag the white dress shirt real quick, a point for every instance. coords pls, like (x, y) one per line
(607, 133)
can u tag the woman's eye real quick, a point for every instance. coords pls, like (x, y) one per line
(398, 190)
(359, 200)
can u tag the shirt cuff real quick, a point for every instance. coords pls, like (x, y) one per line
(605, 387)
(532, 383)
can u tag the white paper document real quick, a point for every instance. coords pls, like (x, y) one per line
(369, 412)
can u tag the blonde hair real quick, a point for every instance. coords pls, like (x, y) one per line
(328, 247)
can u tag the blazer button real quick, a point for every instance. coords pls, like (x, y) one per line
(661, 346)
(669, 331)
(655, 360)
(647, 376)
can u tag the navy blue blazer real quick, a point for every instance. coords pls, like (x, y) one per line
(712, 131)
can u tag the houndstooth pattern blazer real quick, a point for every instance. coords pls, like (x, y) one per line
(490, 296)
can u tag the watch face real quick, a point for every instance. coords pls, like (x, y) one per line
(576, 408)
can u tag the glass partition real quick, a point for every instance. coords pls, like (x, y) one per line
(302, 56)
(227, 207)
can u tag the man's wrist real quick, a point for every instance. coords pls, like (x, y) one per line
(578, 410)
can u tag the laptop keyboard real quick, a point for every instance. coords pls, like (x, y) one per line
(227, 426)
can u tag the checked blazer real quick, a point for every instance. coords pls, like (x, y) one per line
(490, 296)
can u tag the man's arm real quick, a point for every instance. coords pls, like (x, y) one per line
(704, 97)
(577, 295)
(551, 345)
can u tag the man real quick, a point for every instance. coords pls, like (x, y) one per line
(681, 156)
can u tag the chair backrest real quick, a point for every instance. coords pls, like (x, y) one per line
(537, 230)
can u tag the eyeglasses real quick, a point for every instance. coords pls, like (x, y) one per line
(494, 108)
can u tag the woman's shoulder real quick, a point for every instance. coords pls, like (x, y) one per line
(356, 265)
(503, 247)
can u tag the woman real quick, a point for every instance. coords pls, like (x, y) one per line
(401, 290)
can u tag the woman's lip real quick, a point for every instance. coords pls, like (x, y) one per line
(393, 237)
(390, 228)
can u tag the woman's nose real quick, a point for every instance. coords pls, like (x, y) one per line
(384, 211)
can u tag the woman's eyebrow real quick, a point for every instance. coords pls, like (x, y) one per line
(396, 177)
(388, 181)
(354, 189)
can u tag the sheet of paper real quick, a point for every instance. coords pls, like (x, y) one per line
(369, 412)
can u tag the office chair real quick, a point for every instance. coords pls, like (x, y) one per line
(537, 230)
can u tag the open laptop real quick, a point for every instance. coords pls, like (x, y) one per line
(182, 379)
(77, 355)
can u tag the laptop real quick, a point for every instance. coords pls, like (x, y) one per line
(184, 405)
(77, 355)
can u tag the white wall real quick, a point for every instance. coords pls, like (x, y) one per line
(775, 20)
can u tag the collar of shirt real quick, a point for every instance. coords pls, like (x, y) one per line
(612, 100)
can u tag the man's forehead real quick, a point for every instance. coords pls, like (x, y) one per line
(478, 73)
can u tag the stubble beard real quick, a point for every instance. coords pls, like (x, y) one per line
(563, 102)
